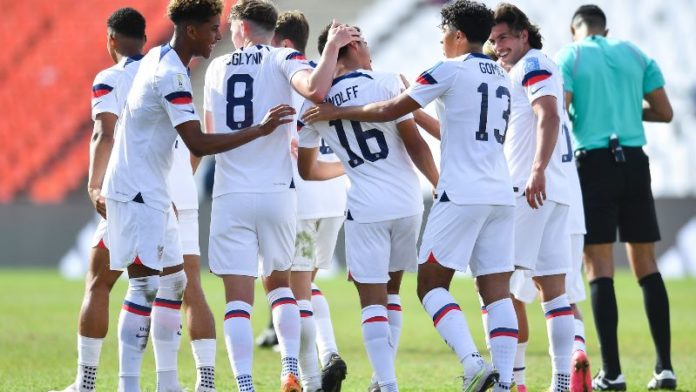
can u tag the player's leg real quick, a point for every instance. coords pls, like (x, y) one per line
(492, 264)
(368, 248)
(581, 375)
(448, 242)
(199, 318)
(394, 306)
(276, 225)
(519, 368)
(233, 256)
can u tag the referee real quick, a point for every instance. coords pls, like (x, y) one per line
(611, 87)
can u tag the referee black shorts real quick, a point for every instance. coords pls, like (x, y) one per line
(617, 195)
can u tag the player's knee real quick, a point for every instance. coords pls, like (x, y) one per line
(146, 286)
(173, 285)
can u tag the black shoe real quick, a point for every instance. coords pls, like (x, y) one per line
(333, 374)
(665, 380)
(602, 383)
(267, 338)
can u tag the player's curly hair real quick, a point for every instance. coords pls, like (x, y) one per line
(473, 19)
(128, 22)
(199, 11)
(324, 37)
(293, 25)
(518, 21)
(261, 12)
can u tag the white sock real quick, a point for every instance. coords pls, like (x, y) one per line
(451, 324)
(204, 356)
(395, 319)
(286, 320)
(309, 361)
(560, 330)
(88, 350)
(579, 342)
(239, 340)
(134, 330)
(519, 368)
(503, 333)
(326, 341)
(484, 320)
(166, 329)
(377, 340)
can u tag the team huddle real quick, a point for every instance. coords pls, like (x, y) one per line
(289, 135)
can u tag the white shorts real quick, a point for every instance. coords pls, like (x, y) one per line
(480, 237)
(542, 238)
(316, 242)
(188, 232)
(251, 228)
(138, 233)
(373, 250)
(100, 239)
(523, 288)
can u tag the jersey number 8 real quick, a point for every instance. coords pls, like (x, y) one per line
(244, 101)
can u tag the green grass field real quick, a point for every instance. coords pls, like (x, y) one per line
(38, 310)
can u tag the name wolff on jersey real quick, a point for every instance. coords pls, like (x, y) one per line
(245, 58)
(344, 96)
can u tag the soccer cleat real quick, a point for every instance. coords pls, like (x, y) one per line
(70, 388)
(374, 387)
(267, 338)
(665, 380)
(482, 380)
(289, 383)
(602, 383)
(580, 376)
(333, 374)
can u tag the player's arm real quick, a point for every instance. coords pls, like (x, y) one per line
(547, 127)
(99, 152)
(312, 169)
(656, 106)
(201, 144)
(208, 127)
(429, 123)
(568, 99)
(383, 111)
(315, 84)
(418, 150)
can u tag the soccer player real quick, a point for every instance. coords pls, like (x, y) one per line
(321, 207)
(536, 155)
(471, 223)
(385, 204)
(143, 236)
(254, 201)
(125, 40)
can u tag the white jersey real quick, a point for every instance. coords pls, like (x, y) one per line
(576, 213)
(318, 199)
(181, 183)
(533, 77)
(240, 88)
(111, 86)
(159, 100)
(473, 104)
(384, 184)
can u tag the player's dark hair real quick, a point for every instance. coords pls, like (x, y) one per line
(197, 11)
(293, 25)
(518, 21)
(324, 37)
(473, 19)
(592, 16)
(128, 22)
(261, 12)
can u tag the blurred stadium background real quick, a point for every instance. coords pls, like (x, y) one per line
(54, 48)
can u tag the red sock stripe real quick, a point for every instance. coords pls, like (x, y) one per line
(443, 311)
(509, 332)
(136, 309)
(564, 311)
(283, 301)
(376, 319)
(395, 307)
(579, 338)
(237, 313)
(167, 303)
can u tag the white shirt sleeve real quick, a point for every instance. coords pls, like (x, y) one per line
(104, 94)
(177, 98)
(432, 83)
(537, 78)
(308, 135)
(290, 61)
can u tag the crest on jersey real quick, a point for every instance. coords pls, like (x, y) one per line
(101, 89)
(531, 64)
(180, 82)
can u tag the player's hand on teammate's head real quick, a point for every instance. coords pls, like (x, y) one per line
(98, 201)
(342, 34)
(321, 112)
(277, 116)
